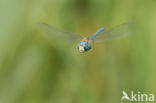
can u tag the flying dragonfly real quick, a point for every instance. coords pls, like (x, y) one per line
(85, 43)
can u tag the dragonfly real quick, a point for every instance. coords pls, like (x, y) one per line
(85, 43)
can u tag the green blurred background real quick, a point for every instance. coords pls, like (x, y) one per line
(33, 70)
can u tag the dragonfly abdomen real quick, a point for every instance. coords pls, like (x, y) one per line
(97, 33)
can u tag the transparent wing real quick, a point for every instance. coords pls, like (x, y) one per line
(52, 32)
(117, 32)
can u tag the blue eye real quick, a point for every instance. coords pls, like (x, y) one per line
(86, 48)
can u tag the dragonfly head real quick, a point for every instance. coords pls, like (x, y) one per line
(83, 47)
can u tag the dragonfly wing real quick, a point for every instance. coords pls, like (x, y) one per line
(53, 32)
(120, 31)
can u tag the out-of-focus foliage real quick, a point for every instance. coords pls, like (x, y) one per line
(34, 70)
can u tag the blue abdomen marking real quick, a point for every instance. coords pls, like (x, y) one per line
(97, 33)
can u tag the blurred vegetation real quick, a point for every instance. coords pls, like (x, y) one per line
(33, 70)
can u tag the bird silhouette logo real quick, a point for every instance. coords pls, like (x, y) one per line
(125, 96)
